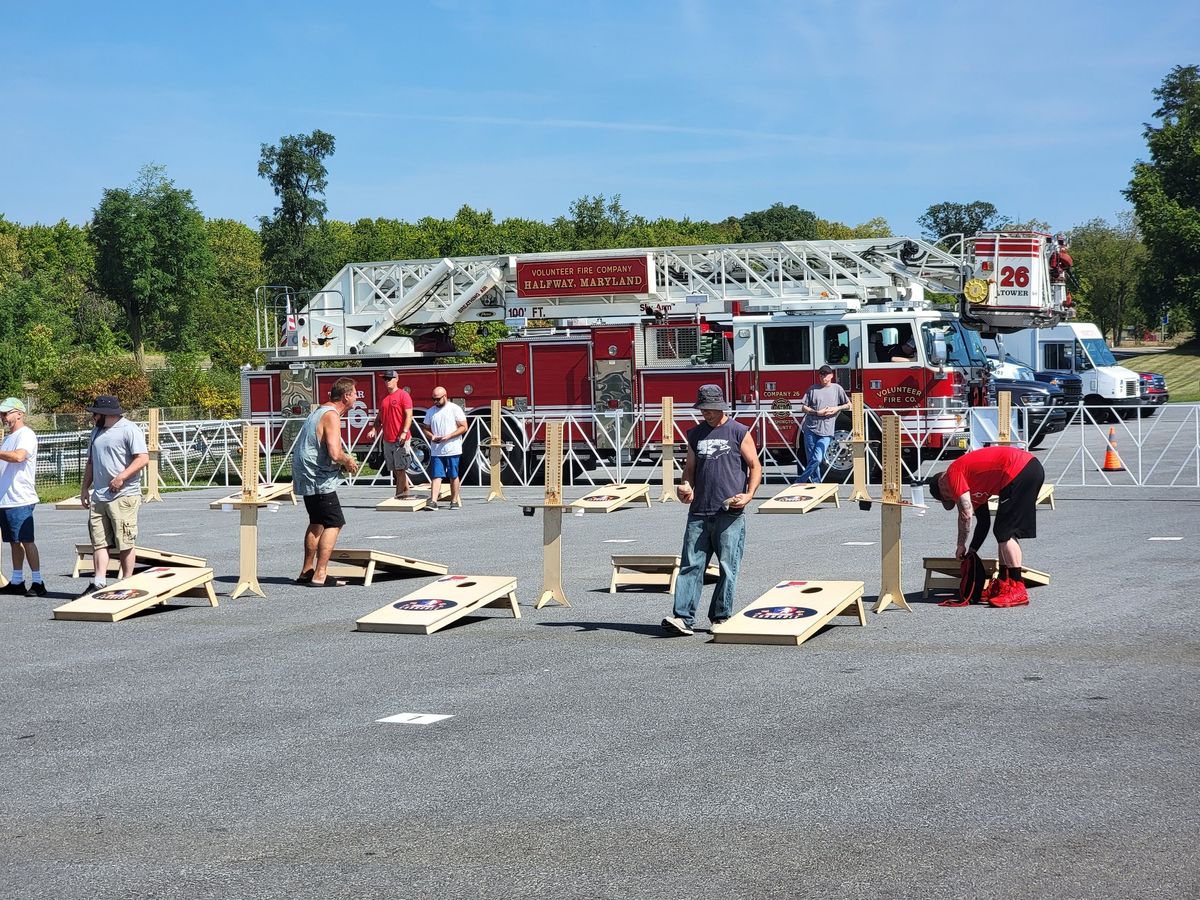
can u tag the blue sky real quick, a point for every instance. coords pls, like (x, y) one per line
(683, 107)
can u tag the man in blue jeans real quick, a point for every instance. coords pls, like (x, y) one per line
(821, 405)
(720, 477)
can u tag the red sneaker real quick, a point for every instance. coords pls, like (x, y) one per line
(1013, 593)
(995, 586)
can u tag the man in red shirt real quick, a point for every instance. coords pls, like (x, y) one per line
(395, 415)
(1016, 477)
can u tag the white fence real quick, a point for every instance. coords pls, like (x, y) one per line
(1162, 450)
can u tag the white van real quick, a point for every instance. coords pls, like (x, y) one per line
(1077, 347)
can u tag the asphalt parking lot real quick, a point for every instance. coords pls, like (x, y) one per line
(235, 752)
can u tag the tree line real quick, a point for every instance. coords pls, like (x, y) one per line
(82, 306)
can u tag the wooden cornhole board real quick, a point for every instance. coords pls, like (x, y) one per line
(792, 612)
(131, 595)
(1045, 498)
(267, 493)
(448, 599)
(412, 504)
(650, 570)
(612, 496)
(801, 498)
(69, 503)
(145, 556)
(942, 574)
(363, 563)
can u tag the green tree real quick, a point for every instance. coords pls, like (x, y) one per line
(943, 219)
(1165, 192)
(152, 258)
(295, 250)
(595, 223)
(1108, 264)
(779, 223)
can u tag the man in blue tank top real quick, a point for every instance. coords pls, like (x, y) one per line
(720, 477)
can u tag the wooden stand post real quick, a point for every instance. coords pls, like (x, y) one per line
(495, 451)
(1004, 420)
(891, 588)
(858, 442)
(249, 506)
(153, 448)
(667, 447)
(552, 516)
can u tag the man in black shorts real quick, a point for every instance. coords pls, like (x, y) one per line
(1016, 477)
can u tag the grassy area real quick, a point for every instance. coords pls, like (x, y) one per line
(49, 492)
(1181, 367)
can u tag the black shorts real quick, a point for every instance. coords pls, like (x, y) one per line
(324, 509)
(1017, 516)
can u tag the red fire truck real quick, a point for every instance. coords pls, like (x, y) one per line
(628, 328)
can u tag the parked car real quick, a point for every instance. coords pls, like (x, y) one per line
(1045, 404)
(1154, 392)
(1070, 383)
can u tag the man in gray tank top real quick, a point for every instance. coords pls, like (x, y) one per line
(319, 462)
(720, 477)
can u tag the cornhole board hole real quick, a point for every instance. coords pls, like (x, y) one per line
(611, 497)
(650, 570)
(363, 564)
(942, 573)
(801, 498)
(131, 595)
(69, 503)
(1045, 498)
(267, 493)
(792, 612)
(447, 600)
(145, 556)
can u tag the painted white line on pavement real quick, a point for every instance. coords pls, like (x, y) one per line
(620, 541)
(169, 534)
(858, 543)
(414, 718)
(380, 537)
(1165, 539)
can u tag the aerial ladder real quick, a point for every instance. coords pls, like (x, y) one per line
(1000, 282)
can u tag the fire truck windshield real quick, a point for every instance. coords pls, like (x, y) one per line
(963, 347)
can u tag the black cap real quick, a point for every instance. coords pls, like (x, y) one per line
(932, 484)
(825, 370)
(389, 374)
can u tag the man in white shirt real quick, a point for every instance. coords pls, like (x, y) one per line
(445, 424)
(18, 497)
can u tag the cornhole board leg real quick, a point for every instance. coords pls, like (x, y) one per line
(644, 571)
(131, 595)
(447, 600)
(792, 612)
(942, 573)
(1046, 496)
(360, 563)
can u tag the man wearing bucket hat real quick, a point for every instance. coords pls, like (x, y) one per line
(116, 458)
(720, 477)
(18, 497)
(1016, 476)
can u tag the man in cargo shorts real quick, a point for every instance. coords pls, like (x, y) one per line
(1016, 476)
(116, 458)
(395, 417)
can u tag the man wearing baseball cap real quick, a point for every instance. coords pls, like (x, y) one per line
(821, 405)
(395, 416)
(116, 457)
(18, 497)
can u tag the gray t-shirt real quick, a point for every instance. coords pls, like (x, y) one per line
(819, 397)
(113, 449)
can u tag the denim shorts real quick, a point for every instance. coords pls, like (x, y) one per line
(444, 467)
(16, 524)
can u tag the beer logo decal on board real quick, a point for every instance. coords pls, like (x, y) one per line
(780, 613)
(119, 595)
(601, 498)
(423, 605)
(796, 498)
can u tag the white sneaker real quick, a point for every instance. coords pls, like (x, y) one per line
(674, 623)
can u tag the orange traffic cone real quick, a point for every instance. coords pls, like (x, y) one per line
(1112, 462)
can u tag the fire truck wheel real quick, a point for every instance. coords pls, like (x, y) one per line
(839, 460)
